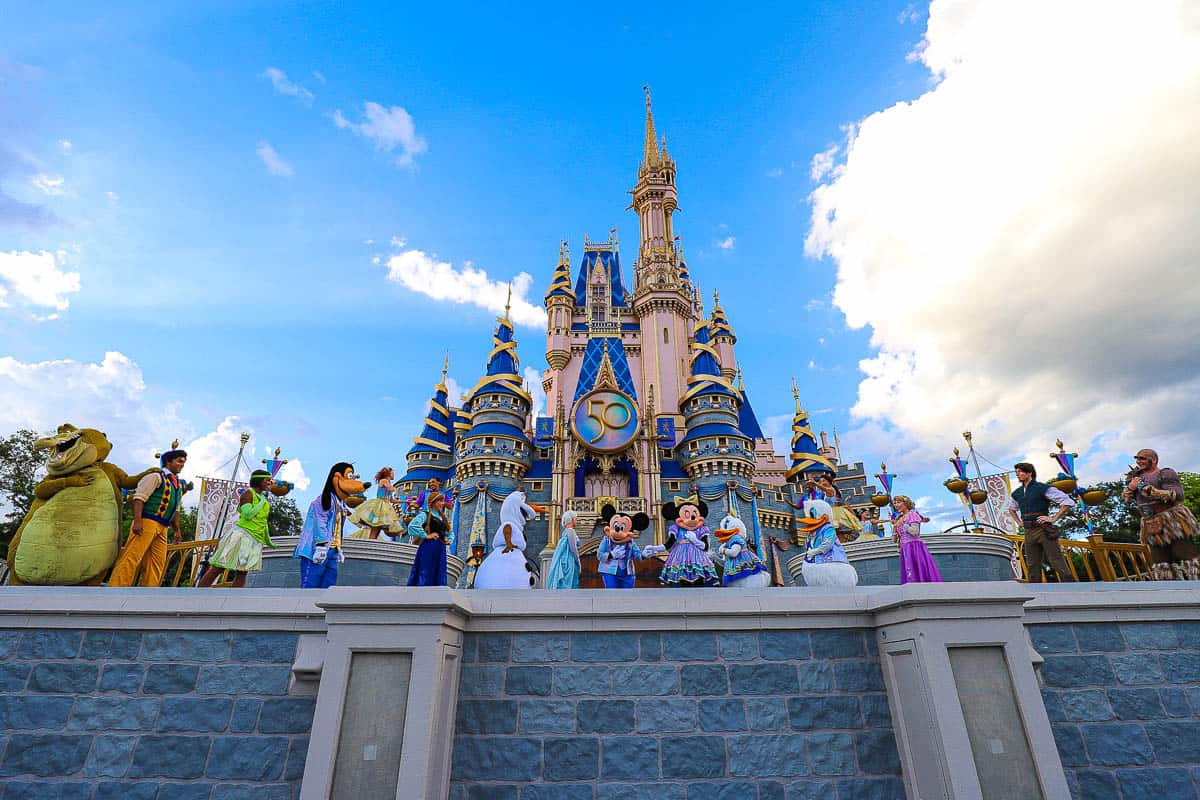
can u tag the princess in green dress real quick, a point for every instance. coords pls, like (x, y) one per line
(240, 550)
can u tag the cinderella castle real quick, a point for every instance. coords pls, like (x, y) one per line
(645, 403)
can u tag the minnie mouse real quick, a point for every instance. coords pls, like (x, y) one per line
(688, 563)
(618, 552)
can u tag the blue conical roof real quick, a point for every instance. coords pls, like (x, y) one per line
(805, 457)
(706, 377)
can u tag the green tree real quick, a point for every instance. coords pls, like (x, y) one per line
(1119, 521)
(285, 517)
(21, 467)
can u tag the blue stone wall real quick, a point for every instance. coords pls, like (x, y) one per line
(284, 573)
(953, 566)
(1124, 703)
(166, 715)
(663, 716)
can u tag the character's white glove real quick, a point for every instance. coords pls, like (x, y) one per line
(653, 550)
(619, 552)
(731, 551)
(320, 553)
(811, 553)
(694, 539)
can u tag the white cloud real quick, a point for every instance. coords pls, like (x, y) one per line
(212, 455)
(822, 163)
(1021, 239)
(727, 243)
(814, 304)
(109, 396)
(533, 381)
(398, 242)
(113, 197)
(775, 172)
(421, 272)
(909, 14)
(275, 163)
(318, 76)
(35, 280)
(454, 391)
(48, 184)
(65, 145)
(279, 80)
(389, 128)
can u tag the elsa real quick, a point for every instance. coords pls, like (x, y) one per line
(564, 567)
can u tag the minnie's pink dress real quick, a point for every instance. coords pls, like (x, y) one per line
(916, 564)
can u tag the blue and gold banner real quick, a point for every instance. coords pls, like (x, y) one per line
(543, 432)
(665, 427)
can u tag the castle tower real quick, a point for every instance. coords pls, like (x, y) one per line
(662, 299)
(723, 339)
(495, 447)
(715, 453)
(806, 456)
(432, 453)
(560, 303)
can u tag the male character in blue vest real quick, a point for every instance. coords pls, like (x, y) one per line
(1030, 507)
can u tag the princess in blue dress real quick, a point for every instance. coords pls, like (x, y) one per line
(564, 567)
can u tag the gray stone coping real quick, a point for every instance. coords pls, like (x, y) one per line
(682, 609)
(291, 610)
(1132, 601)
(369, 550)
(938, 543)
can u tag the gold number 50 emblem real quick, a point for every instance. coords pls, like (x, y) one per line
(605, 420)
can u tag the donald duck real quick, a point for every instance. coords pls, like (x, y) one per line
(825, 562)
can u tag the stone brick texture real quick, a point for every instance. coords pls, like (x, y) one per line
(759, 715)
(954, 567)
(1124, 703)
(192, 715)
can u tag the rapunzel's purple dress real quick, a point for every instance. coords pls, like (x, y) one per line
(916, 564)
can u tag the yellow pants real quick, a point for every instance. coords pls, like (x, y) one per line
(148, 550)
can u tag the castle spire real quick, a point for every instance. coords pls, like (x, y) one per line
(806, 455)
(651, 147)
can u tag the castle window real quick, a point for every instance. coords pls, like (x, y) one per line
(722, 441)
(673, 486)
(666, 453)
(536, 486)
(543, 452)
(488, 441)
(666, 337)
(520, 447)
(693, 446)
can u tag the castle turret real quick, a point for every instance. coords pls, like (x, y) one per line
(723, 339)
(495, 446)
(432, 453)
(806, 457)
(714, 450)
(663, 293)
(560, 303)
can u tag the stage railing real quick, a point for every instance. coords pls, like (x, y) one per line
(1097, 560)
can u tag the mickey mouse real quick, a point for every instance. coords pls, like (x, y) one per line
(618, 551)
(688, 563)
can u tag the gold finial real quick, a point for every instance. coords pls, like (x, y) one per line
(795, 394)
(956, 452)
(716, 300)
(245, 437)
(741, 386)
(445, 365)
(278, 450)
(564, 255)
(508, 301)
(1059, 444)
(883, 468)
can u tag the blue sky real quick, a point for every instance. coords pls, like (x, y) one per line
(238, 292)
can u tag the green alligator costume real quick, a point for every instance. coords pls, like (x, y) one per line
(70, 534)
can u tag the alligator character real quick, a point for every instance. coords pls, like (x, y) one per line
(70, 534)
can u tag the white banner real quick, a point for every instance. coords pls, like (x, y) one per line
(216, 493)
(993, 511)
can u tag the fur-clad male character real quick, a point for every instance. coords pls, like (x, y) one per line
(505, 567)
(618, 553)
(1167, 524)
(320, 546)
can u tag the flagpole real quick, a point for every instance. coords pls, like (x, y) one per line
(237, 462)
